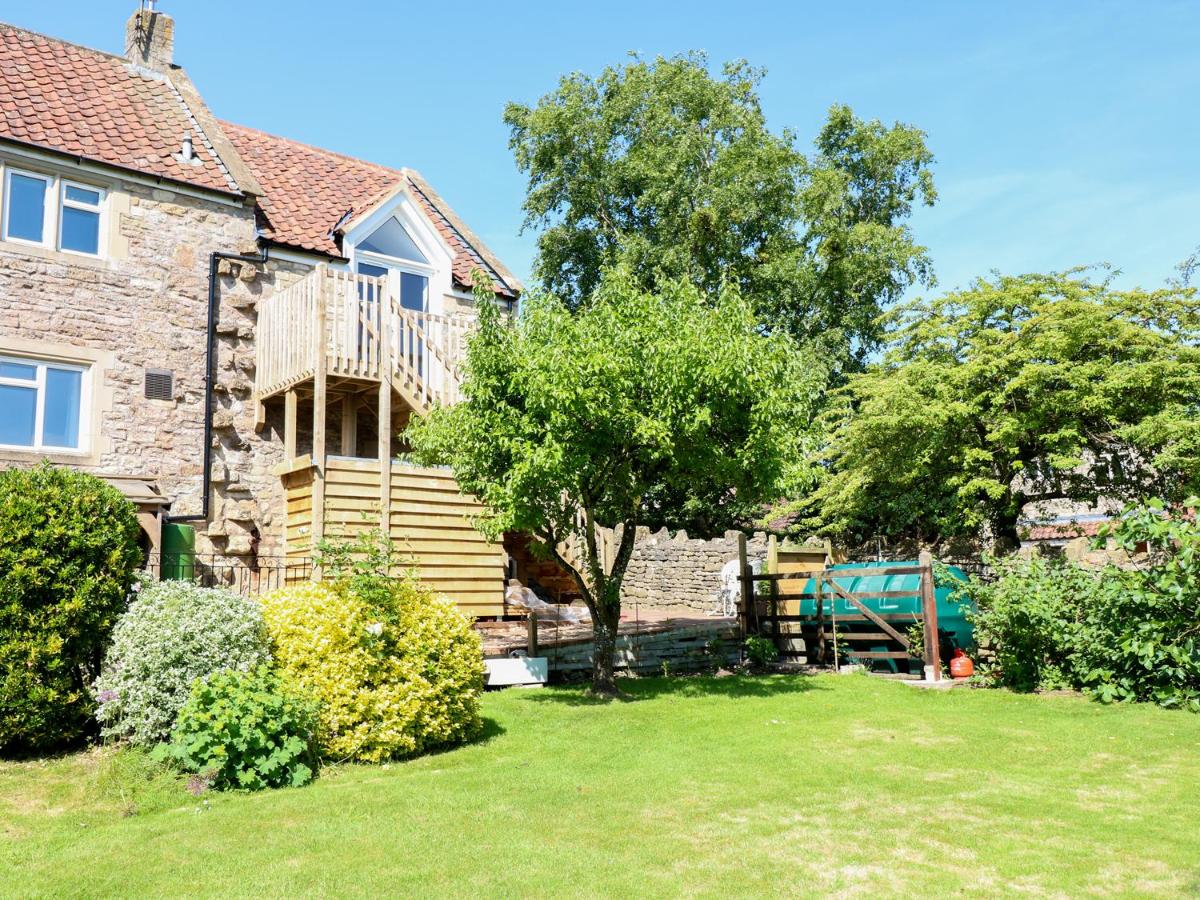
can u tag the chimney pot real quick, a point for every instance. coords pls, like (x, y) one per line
(150, 38)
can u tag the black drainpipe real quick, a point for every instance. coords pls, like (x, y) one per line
(210, 374)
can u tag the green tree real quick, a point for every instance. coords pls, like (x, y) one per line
(642, 408)
(670, 172)
(1019, 389)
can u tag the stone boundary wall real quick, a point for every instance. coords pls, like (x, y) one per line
(678, 572)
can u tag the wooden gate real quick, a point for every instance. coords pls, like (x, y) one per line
(796, 600)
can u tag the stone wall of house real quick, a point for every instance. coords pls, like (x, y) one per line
(146, 307)
(675, 572)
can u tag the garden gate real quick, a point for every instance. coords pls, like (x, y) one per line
(828, 609)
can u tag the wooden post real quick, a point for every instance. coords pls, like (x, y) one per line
(291, 402)
(775, 636)
(349, 425)
(933, 655)
(837, 662)
(320, 362)
(746, 584)
(531, 626)
(392, 293)
(819, 656)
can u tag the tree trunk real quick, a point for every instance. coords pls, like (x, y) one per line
(605, 625)
(601, 591)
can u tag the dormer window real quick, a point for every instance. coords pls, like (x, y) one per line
(390, 247)
(392, 240)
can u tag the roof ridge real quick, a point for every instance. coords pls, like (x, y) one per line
(57, 40)
(402, 172)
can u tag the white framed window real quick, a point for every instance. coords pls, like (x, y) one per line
(79, 221)
(26, 206)
(48, 211)
(43, 404)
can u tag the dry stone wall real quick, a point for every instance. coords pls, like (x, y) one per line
(678, 573)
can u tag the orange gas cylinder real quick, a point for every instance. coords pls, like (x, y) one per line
(961, 665)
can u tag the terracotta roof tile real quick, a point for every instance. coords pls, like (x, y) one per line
(1058, 531)
(308, 192)
(92, 104)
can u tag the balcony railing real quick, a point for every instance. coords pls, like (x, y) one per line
(357, 321)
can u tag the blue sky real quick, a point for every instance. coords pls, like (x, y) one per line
(1065, 132)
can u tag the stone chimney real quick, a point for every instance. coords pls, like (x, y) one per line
(150, 38)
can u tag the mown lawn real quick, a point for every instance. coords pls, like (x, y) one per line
(711, 787)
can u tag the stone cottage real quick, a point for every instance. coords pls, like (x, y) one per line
(227, 325)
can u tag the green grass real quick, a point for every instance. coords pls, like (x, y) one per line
(710, 787)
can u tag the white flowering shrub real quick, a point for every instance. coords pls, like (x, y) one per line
(172, 634)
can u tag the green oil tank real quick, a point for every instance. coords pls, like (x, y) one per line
(178, 552)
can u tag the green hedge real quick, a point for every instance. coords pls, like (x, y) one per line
(68, 557)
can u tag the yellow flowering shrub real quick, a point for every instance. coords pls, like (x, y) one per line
(395, 669)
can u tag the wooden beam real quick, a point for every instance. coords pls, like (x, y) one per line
(869, 613)
(291, 402)
(531, 626)
(933, 654)
(385, 402)
(349, 425)
(319, 454)
(746, 583)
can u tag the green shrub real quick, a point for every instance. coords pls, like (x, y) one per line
(395, 669)
(1143, 642)
(244, 730)
(1120, 633)
(173, 633)
(761, 651)
(1032, 617)
(68, 557)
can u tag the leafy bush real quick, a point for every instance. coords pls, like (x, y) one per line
(244, 730)
(1143, 643)
(395, 669)
(761, 651)
(173, 633)
(68, 556)
(1032, 617)
(1119, 633)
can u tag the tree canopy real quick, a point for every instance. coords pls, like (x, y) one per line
(1019, 389)
(642, 408)
(669, 172)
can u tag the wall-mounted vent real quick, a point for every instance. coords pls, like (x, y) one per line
(160, 384)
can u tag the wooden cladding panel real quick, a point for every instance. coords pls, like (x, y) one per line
(297, 524)
(430, 521)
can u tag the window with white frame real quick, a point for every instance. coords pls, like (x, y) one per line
(79, 221)
(43, 404)
(52, 212)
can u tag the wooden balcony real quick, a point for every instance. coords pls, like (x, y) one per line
(337, 327)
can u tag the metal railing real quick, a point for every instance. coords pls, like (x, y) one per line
(247, 576)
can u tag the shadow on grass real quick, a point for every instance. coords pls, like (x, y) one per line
(634, 690)
(490, 731)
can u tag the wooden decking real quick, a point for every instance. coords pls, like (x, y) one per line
(644, 643)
